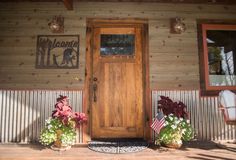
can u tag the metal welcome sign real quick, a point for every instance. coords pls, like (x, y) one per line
(57, 51)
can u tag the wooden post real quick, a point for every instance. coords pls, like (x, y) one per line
(68, 4)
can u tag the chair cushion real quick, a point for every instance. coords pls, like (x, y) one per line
(232, 113)
(227, 98)
(228, 101)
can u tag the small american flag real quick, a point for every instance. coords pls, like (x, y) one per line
(158, 122)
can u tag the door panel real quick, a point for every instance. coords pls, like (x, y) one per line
(117, 107)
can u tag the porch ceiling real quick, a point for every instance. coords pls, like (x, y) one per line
(69, 3)
(156, 1)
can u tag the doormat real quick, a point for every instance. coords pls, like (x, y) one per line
(117, 146)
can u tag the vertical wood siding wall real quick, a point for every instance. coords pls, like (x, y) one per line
(205, 116)
(23, 113)
(174, 60)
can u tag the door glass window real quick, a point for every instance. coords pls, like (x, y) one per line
(117, 44)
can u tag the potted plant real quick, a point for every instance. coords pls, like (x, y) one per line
(214, 56)
(177, 127)
(60, 129)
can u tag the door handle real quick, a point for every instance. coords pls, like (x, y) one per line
(95, 87)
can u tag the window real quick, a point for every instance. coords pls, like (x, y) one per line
(217, 57)
(117, 44)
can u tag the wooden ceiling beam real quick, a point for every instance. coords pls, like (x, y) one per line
(68, 4)
(222, 2)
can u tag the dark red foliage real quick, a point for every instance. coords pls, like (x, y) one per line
(63, 111)
(169, 107)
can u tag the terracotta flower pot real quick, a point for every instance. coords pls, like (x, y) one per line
(174, 145)
(62, 148)
(57, 145)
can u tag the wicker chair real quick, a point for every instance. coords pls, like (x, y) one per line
(227, 101)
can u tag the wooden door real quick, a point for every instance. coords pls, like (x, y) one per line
(117, 98)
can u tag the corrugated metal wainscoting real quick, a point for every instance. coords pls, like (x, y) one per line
(23, 113)
(205, 116)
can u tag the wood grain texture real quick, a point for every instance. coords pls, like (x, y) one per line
(22, 22)
(195, 150)
(68, 4)
(118, 108)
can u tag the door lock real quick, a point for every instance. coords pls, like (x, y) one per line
(95, 79)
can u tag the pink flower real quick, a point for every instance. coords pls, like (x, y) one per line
(78, 118)
(64, 112)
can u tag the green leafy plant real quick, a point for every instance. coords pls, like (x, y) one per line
(60, 129)
(177, 127)
(53, 126)
(215, 51)
(175, 130)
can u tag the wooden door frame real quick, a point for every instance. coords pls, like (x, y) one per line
(99, 22)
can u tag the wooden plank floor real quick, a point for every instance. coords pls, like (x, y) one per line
(196, 151)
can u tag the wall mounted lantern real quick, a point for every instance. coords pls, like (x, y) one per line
(177, 26)
(56, 25)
